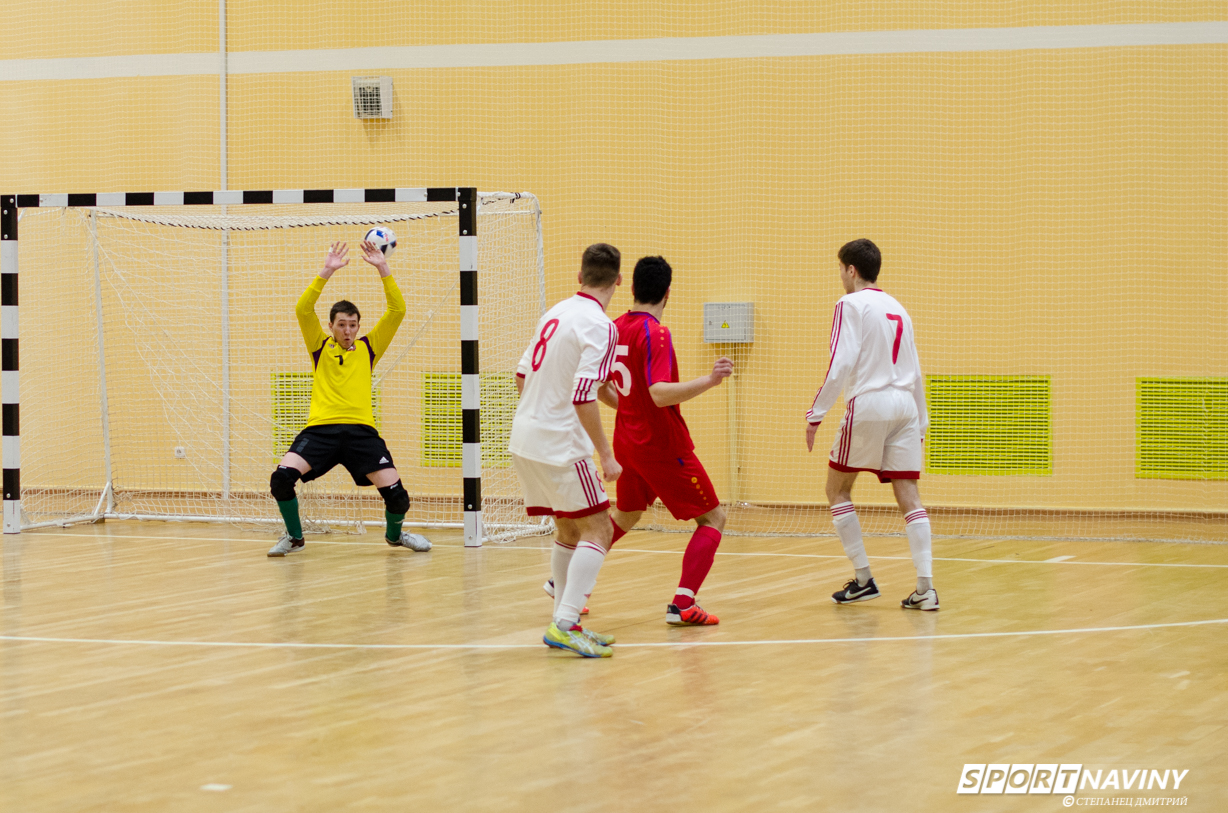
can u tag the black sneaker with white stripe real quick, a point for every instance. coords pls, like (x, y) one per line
(854, 592)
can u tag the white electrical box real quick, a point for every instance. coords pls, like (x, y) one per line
(372, 97)
(729, 322)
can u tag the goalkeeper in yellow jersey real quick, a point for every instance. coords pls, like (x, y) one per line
(340, 427)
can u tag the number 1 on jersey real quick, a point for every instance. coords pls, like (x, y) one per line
(539, 349)
(899, 333)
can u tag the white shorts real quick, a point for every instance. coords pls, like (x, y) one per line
(880, 433)
(570, 492)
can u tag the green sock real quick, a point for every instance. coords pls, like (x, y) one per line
(289, 512)
(393, 533)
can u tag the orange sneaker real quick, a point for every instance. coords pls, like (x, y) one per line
(693, 616)
(549, 588)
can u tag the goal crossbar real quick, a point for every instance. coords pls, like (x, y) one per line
(467, 202)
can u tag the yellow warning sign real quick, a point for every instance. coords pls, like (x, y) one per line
(725, 326)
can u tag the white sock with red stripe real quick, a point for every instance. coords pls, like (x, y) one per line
(560, 559)
(917, 524)
(581, 579)
(848, 528)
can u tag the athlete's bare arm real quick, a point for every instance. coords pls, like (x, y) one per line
(811, 430)
(608, 395)
(590, 419)
(666, 393)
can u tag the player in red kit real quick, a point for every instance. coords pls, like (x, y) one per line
(652, 442)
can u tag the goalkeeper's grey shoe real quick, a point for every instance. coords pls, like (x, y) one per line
(415, 542)
(287, 544)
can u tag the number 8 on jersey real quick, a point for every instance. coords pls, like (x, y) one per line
(539, 349)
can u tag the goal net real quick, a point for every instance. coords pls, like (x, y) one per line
(164, 373)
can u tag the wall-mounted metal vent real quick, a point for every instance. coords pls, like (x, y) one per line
(989, 424)
(1182, 429)
(372, 97)
(442, 429)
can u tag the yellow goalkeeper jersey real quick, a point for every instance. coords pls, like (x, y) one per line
(341, 385)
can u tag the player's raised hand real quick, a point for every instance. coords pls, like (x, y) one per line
(375, 257)
(811, 430)
(611, 469)
(722, 369)
(336, 259)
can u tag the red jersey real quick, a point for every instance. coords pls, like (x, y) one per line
(645, 356)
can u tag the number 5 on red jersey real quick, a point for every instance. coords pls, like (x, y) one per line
(620, 370)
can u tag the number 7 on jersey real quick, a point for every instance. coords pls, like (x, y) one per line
(899, 334)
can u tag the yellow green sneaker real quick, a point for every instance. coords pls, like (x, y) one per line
(575, 641)
(597, 637)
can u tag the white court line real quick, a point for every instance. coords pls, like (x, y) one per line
(666, 644)
(1059, 560)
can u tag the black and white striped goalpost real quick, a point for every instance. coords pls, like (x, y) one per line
(10, 392)
(471, 386)
(466, 199)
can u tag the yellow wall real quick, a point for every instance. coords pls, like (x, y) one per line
(1021, 227)
(1050, 212)
(371, 22)
(110, 134)
(49, 29)
(63, 28)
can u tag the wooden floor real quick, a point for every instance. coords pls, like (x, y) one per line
(173, 667)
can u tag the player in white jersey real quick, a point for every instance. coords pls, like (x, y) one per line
(554, 434)
(874, 361)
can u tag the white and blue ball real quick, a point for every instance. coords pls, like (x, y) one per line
(384, 239)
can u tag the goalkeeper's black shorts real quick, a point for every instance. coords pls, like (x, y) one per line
(356, 446)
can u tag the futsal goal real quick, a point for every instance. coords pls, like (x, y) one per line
(163, 374)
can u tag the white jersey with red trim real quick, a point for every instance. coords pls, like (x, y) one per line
(565, 364)
(872, 348)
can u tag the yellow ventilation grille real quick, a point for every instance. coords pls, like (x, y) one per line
(989, 424)
(441, 418)
(1182, 426)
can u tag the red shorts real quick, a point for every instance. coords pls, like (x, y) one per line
(681, 483)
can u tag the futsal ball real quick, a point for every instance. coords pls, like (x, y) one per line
(384, 240)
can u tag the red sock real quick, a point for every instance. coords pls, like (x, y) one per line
(619, 533)
(696, 563)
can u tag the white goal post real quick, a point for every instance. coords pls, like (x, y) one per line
(165, 371)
